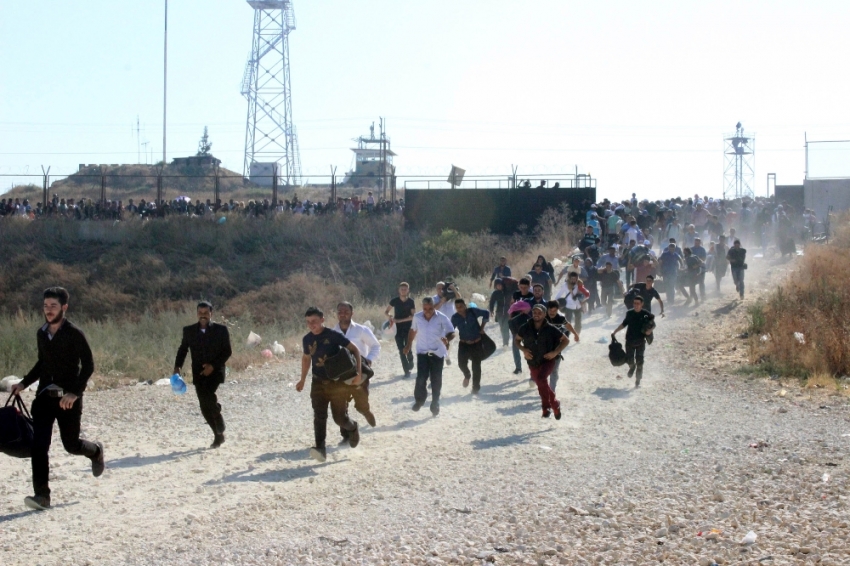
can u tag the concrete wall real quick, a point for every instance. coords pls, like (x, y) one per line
(820, 194)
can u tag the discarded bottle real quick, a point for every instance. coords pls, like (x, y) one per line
(177, 384)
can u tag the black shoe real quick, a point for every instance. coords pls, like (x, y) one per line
(557, 410)
(475, 390)
(547, 413)
(465, 382)
(517, 371)
(631, 370)
(97, 463)
(354, 436)
(406, 374)
(417, 406)
(343, 440)
(37, 502)
(318, 454)
(370, 418)
(637, 382)
(435, 409)
(217, 441)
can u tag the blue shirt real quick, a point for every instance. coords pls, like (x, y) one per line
(699, 252)
(467, 326)
(669, 262)
(500, 272)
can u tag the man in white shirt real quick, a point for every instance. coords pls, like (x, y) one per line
(433, 332)
(369, 348)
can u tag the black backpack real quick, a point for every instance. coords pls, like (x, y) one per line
(616, 353)
(629, 297)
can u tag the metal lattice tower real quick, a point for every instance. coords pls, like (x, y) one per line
(739, 164)
(271, 141)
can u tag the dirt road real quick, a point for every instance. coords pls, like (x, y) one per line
(662, 473)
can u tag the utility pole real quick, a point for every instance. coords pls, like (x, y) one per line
(45, 184)
(164, 81)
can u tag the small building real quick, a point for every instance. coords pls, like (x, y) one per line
(373, 161)
(196, 161)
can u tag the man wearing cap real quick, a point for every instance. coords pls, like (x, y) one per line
(638, 324)
(594, 223)
(541, 343)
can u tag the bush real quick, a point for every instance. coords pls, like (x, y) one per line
(804, 326)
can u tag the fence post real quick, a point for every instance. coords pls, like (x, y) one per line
(45, 184)
(102, 189)
(216, 192)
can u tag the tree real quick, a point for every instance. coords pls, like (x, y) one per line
(204, 145)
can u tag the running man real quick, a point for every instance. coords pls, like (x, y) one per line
(403, 308)
(62, 371)
(369, 348)
(638, 324)
(433, 333)
(541, 344)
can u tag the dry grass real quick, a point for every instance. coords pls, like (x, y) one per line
(804, 326)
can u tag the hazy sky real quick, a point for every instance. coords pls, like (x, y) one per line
(638, 94)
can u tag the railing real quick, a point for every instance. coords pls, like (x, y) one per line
(553, 181)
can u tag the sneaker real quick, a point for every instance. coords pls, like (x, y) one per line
(546, 413)
(370, 418)
(318, 454)
(517, 371)
(631, 370)
(416, 406)
(37, 502)
(465, 382)
(557, 410)
(435, 409)
(354, 437)
(97, 463)
(218, 441)
(406, 374)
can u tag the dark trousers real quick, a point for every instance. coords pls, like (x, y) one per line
(324, 392)
(45, 410)
(634, 354)
(594, 295)
(360, 394)
(540, 376)
(473, 353)
(608, 299)
(670, 284)
(701, 282)
(402, 329)
(574, 315)
(505, 329)
(428, 366)
(210, 408)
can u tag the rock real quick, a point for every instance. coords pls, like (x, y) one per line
(750, 538)
(661, 533)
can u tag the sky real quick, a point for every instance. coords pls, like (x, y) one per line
(637, 94)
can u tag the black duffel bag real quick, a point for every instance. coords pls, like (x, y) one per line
(342, 366)
(616, 353)
(15, 428)
(487, 346)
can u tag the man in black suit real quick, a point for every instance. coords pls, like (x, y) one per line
(210, 346)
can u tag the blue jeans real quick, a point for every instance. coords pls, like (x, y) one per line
(670, 283)
(517, 356)
(428, 366)
(553, 377)
(738, 278)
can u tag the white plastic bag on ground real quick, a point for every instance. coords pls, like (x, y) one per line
(253, 340)
(163, 381)
(479, 298)
(278, 349)
(368, 324)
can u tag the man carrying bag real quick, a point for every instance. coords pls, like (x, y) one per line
(63, 369)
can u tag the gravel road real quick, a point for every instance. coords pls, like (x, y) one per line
(678, 471)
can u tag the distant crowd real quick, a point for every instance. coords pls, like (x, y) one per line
(90, 209)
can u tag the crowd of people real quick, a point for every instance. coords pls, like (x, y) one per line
(91, 209)
(630, 251)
